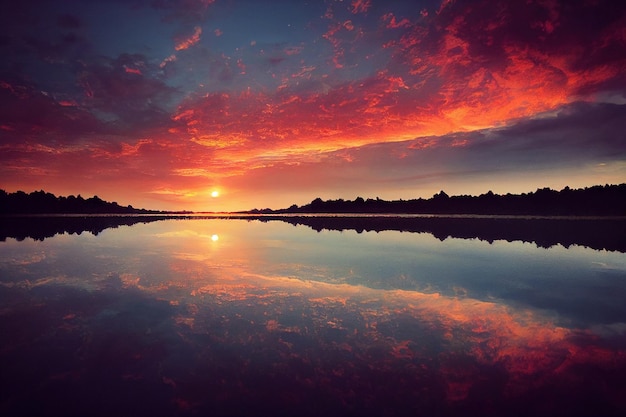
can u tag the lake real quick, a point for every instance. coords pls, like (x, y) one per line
(312, 316)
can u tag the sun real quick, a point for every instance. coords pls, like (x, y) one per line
(215, 193)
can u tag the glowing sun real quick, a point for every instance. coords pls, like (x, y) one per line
(215, 193)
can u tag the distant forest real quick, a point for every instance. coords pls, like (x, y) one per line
(607, 200)
(41, 202)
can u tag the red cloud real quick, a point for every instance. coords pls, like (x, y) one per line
(470, 65)
(494, 64)
(132, 70)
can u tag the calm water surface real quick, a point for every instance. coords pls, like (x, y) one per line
(236, 317)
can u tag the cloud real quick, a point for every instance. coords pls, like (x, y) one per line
(501, 61)
(392, 23)
(574, 138)
(185, 42)
(339, 98)
(360, 6)
(126, 91)
(37, 114)
(464, 68)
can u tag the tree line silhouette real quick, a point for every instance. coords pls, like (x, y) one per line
(607, 200)
(41, 202)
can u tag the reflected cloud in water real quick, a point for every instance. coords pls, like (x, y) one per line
(270, 319)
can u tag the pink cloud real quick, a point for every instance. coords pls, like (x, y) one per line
(293, 50)
(132, 70)
(360, 6)
(392, 23)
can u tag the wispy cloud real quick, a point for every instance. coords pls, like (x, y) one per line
(188, 41)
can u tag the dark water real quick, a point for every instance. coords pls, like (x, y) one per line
(235, 317)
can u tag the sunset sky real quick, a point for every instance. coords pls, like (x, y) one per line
(160, 103)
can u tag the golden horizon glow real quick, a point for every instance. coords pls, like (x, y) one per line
(384, 101)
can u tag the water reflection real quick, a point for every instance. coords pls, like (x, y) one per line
(597, 233)
(271, 319)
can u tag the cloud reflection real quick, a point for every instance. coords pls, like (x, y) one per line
(236, 329)
(527, 347)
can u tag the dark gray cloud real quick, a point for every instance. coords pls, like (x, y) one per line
(575, 134)
(127, 89)
(574, 137)
(36, 116)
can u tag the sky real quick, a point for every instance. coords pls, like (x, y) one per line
(163, 104)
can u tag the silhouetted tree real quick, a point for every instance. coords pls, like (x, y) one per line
(41, 202)
(596, 200)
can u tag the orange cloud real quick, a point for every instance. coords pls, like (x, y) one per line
(355, 79)
(189, 41)
(471, 336)
(447, 86)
